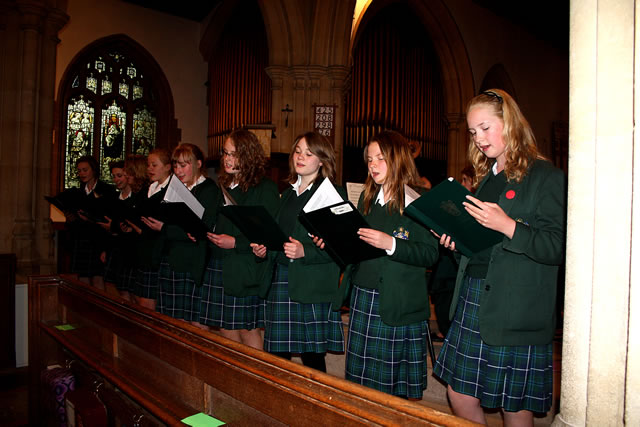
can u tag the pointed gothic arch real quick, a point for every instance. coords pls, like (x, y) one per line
(113, 100)
(455, 68)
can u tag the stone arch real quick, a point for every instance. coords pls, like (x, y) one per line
(455, 67)
(498, 78)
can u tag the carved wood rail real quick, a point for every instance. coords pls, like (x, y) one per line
(172, 369)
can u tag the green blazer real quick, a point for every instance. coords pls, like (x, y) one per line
(315, 277)
(401, 277)
(241, 275)
(518, 302)
(184, 255)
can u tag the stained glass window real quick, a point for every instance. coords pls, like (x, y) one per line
(113, 127)
(110, 111)
(144, 131)
(80, 115)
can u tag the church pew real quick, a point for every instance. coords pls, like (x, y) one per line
(172, 369)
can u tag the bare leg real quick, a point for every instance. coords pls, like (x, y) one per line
(146, 303)
(252, 338)
(232, 334)
(466, 406)
(522, 418)
(200, 325)
(111, 288)
(98, 282)
(125, 295)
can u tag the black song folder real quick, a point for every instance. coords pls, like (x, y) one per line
(441, 210)
(257, 225)
(337, 225)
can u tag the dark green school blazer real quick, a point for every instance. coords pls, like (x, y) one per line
(241, 275)
(518, 301)
(184, 255)
(315, 277)
(401, 278)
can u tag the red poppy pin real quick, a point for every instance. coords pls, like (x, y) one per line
(511, 194)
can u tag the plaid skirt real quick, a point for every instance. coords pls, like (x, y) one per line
(146, 283)
(85, 258)
(127, 280)
(509, 377)
(117, 271)
(226, 311)
(392, 359)
(293, 327)
(178, 295)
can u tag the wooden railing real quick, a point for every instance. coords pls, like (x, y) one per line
(169, 369)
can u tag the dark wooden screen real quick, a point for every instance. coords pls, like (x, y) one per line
(239, 87)
(396, 84)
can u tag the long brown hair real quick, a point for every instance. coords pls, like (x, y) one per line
(320, 146)
(136, 166)
(521, 149)
(251, 161)
(401, 170)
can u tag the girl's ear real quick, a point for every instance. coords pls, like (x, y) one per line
(199, 164)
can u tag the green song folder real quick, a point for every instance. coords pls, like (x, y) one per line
(441, 210)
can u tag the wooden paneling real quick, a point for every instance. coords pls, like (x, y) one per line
(172, 369)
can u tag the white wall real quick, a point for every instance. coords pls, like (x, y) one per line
(172, 41)
(539, 72)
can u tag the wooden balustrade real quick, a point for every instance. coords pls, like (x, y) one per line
(162, 370)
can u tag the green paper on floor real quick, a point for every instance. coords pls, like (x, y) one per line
(202, 420)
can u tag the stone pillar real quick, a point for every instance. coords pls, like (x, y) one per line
(44, 243)
(457, 144)
(339, 76)
(599, 384)
(277, 75)
(23, 225)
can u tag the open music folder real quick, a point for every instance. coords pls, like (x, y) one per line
(441, 210)
(336, 222)
(257, 225)
(180, 207)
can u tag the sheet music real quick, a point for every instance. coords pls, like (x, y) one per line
(353, 192)
(178, 192)
(409, 195)
(325, 195)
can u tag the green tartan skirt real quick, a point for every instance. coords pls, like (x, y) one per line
(178, 295)
(146, 283)
(392, 359)
(293, 327)
(226, 311)
(509, 377)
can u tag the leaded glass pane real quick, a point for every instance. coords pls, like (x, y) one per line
(137, 92)
(100, 66)
(131, 71)
(92, 83)
(144, 131)
(123, 89)
(79, 136)
(76, 82)
(112, 146)
(107, 86)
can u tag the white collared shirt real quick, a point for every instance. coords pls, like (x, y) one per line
(124, 198)
(200, 180)
(156, 186)
(381, 202)
(90, 190)
(296, 186)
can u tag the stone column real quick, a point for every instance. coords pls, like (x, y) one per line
(599, 357)
(44, 242)
(457, 143)
(277, 75)
(23, 226)
(339, 76)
